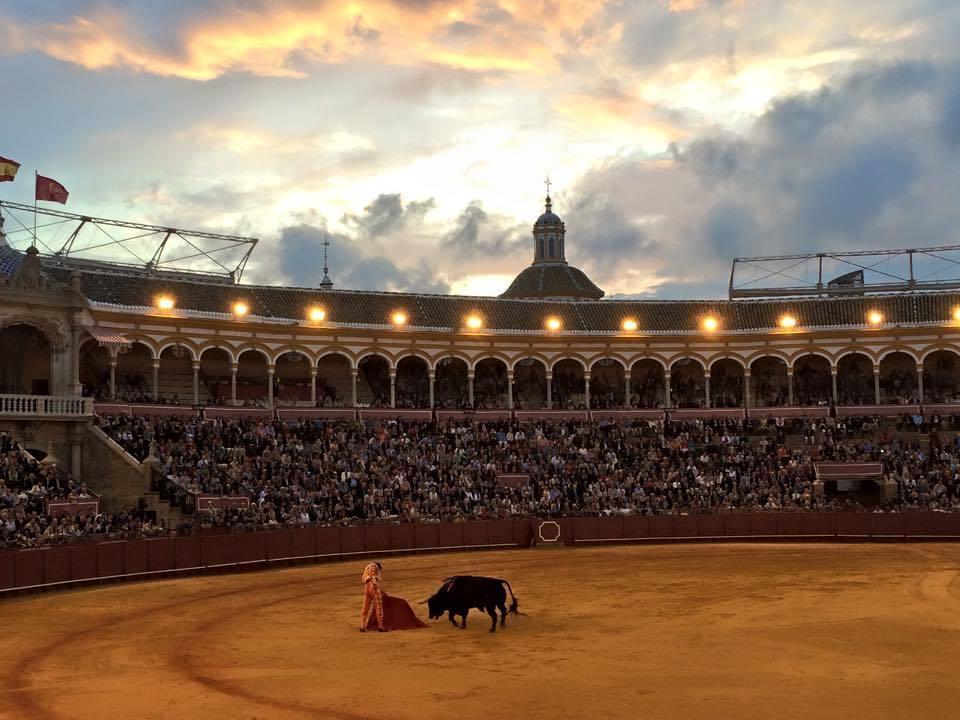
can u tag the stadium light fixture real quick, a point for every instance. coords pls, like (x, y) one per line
(956, 314)
(553, 324)
(165, 302)
(710, 324)
(317, 314)
(240, 308)
(788, 322)
(875, 317)
(629, 325)
(474, 322)
(399, 318)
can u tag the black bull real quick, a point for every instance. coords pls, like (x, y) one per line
(461, 592)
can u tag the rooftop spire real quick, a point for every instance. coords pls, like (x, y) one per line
(326, 283)
(549, 203)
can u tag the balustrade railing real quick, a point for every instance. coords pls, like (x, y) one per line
(45, 405)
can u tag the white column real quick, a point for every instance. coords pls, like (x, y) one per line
(470, 388)
(313, 386)
(156, 379)
(626, 389)
(353, 385)
(271, 369)
(431, 376)
(510, 389)
(706, 388)
(876, 384)
(746, 388)
(549, 390)
(196, 382)
(76, 388)
(920, 382)
(586, 389)
(833, 379)
(113, 377)
(790, 385)
(666, 390)
(393, 387)
(233, 382)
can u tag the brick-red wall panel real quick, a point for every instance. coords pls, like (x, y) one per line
(687, 526)
(83, 562)
(303, 542)
(660, 526)
(450, 534)
(501, 531)
(278, 544)
(8, 573)
(354, 539)
(476, 533)
(426, 535)
(187, 552)
(789, 523)
(636, 526)
(56, 564)
(136, 556)
(161, 554)
(252, 547)
(886, 524)
(763, 524)
(330, 540)
(218, 550)
(402, 537)
(28, 566)
(110, 558)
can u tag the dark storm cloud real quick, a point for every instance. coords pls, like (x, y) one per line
(476, 233)
(601, 237)
(387, 214)
(301, 262)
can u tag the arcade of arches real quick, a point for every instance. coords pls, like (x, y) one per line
(134, 374)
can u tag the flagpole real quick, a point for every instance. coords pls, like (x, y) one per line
(35, 180)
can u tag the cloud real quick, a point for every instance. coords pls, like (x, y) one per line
(477, 233)
(387, 214)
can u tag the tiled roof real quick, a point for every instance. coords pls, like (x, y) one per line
(9, 260)
(552, 280)
(353, 307)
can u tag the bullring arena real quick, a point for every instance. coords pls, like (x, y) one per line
(664, 631)
(741, 508)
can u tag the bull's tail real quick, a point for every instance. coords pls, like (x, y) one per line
(514, 604)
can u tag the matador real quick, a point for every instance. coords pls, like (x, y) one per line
(372, 594)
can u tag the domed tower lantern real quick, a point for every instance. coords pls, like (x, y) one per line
(549, 234)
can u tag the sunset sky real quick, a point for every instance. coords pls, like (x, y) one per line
(677, 133)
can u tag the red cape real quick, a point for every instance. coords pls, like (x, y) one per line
(397, 615)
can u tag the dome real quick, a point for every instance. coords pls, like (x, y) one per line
(553, 280)
(549, 218)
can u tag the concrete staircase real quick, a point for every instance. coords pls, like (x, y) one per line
(120, 479)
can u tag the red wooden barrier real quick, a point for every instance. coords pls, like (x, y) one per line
(217, 550)
(377, 537)
(426, 535)
(8, 575)
(634, 526)
(278, 545)
(332, 540)
(187, 552)
(586, 528)
(161, 554)
(610, 528)
(136, 556)
(110, 558)
(353, 540)
(402, 537)
(887, 525)
(661, 526)
(501, 532)
(789, 524)
(688, 526)
(83, 562)
(303, 541)
(56, 565)
(710, 525)
(817, 524)
(477, 533)
(251, 547)
(763, 524)
(852, 524)
(946, 524)
(28, 567)
(450, 534)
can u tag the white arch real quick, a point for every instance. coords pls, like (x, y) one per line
(173, 343)
(229, 351)
(583, 364)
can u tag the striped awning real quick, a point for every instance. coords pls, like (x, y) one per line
(108, 336)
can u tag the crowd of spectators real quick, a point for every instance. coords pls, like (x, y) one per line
(343, 472)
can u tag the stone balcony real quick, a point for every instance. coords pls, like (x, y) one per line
(53, 407)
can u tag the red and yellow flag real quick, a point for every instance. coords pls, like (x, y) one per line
(8, 169)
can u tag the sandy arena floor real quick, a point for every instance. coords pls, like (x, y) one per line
(718, 631)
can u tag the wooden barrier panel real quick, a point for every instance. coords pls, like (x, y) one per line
(187, 552)
(354, 540)
(83, 562)
(523, 532)
(136, 556)
(476, 533)
(303, 541)
(852, 524)
(946, 523)
(278, 545)
(161, 554)
(817, 524)
(217, 550)
(736, 524)
(450, 534)
(661, 526)
(634, 526)
(378, 537)
(886, 524)
(28, 567)
(110, 558)
(8, 574)
(56, 565)
(501, 532)
(586, 528)
(251, 547)
(687, 526)
(426, 535)
(763, 524)
(332, 540)
(402, 537)
(610, 528)
(710, 525)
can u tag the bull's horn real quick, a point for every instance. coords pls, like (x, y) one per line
(424, 602)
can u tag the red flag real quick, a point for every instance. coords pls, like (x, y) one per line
(51, 190)
(8, 169)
